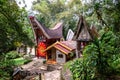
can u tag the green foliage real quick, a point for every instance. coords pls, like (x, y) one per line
(27, 61)
(72, 55)
(8, 63)
(114, 63)
(117, 42)
(103, 13)
(51, 12)
(115, 60)
(6, 68)
(44, 62)
(66, 68)
(12, 55)
(95, 63)
(21, 61)
(13, 22)
(67, 65)
(81, 70)
(48, 11)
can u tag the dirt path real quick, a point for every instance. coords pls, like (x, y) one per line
(48, 71)
(33, 64)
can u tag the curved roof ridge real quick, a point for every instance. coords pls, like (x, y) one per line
(56, 32)
(82, 31)
(42, 28)
(52, 33)
(56, 26)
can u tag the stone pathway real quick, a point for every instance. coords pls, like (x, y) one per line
(36, 68)
(53, 75)
(35, 63)
(67, 75)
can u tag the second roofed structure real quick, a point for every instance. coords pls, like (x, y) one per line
(82, 36)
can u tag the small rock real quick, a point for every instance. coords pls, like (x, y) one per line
(59, 68)
(43, 67)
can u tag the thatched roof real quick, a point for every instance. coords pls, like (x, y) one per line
(56, 32)
(82, 31)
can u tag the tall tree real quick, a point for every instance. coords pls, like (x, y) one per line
(12, 23)
(104, 13)
(51, 12)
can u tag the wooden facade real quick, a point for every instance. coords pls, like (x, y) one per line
(45, 35)
(83, 35)
(60, 52)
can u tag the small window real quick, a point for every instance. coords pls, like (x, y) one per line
(60, 56)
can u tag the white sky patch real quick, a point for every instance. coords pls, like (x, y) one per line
(85, 1)
(27, 2)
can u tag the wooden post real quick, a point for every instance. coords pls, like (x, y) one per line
(47, 57)
(40, 76)
(78, 50)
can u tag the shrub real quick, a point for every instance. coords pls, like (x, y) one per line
(6, 69)
(96, 57)
(114, 62)
(44, 61)
(12, 55)
(27, 61)
(81, 70)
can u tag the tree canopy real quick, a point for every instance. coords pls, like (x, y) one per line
(13, 23)
(51, 12)
(101, 13)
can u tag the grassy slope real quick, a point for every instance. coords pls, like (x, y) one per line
(20, 61)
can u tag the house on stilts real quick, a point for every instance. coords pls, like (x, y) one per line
(45, 37)
(83, 35)
(50, 46)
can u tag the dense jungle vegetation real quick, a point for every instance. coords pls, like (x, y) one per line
(100, 59)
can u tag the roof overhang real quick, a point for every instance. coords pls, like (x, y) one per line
(61, 47)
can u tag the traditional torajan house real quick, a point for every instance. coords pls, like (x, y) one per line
(60, 52)
(82, 36)
(43, 36)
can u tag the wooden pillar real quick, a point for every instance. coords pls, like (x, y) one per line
(40, 76)
(78, 49)
(47, 56)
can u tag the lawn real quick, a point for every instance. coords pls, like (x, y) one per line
(21, 61)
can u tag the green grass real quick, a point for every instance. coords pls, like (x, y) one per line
(20, 61)
(67, 65)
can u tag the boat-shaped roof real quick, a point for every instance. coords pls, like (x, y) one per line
(55, 32)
